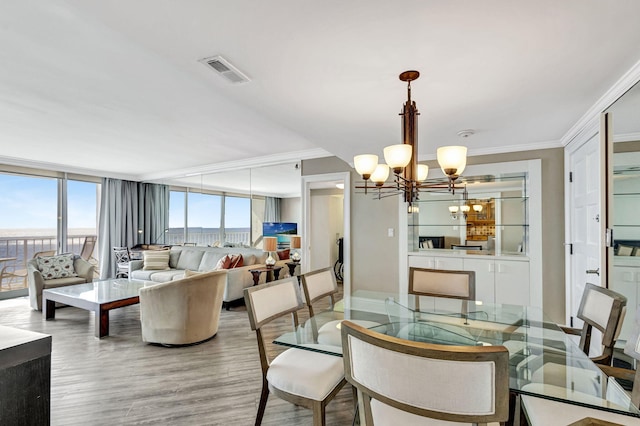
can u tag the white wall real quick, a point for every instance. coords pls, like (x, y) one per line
(291, 211)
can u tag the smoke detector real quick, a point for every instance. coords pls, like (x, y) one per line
(466, 133)
(225, 69)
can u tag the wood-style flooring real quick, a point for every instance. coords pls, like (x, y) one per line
(120, 380)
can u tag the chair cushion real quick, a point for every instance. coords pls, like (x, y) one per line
(331, 334)
(544, 412)
(61, 282)
(387, 415)
(308, 374)
(53, 267)
(166, 276)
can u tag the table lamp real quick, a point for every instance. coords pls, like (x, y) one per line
(269, 244)
(296, 241)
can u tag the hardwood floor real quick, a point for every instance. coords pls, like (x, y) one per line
(121, 380)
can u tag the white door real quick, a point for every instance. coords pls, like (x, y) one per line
(585, 228)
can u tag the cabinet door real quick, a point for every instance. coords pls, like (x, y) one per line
(485, 276)
(625, 281)
(512, 282)
(427, 262)
(448, 263)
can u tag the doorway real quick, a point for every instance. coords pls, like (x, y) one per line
(319, 223)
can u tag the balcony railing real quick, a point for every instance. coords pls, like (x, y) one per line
(22, 248)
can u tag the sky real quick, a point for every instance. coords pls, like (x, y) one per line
(31, 203)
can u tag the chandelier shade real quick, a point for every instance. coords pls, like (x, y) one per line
(452, 159)
(380, 175)
(398, 156)
(365, 164)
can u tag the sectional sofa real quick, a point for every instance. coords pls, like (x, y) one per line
(204, 259)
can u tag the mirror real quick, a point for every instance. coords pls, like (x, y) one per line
(487, 214)
(228, 207)
(624, 265)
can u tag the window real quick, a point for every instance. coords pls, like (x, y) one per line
(82, 216)
(203, 218)
(176, 234)
(237, 220)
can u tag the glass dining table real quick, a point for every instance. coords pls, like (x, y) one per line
(543, 360)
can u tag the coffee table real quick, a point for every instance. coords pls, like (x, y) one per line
(99, 297)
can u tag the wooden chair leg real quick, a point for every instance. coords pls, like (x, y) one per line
(264, 395)
(318, 413)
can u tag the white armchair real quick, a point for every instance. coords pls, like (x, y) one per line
(183, 311)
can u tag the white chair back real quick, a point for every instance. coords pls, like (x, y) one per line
(319, 284)
(269, 301)
(404, 380)
(441, 283)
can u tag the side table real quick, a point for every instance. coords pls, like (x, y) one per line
(272, 274)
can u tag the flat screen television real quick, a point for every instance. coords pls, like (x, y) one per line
(281, 230)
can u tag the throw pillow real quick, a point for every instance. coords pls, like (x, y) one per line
(283, 254)
(156, 260)
(224, 262)
(60, 266)
(236, 261)
(230, 261)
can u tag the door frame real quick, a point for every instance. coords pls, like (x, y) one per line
(307, 181)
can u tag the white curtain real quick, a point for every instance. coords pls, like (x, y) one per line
(271, 209)
(127, 207)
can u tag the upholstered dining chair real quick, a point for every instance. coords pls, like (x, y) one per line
(318, 285)
(441, 283)
(305, 378)
(541, 411)
(122, 258)
(604, 310)
(403, 382)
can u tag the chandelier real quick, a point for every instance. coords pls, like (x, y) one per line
(409, 176)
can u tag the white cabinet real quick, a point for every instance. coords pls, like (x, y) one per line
(512, 282)
(485, 278)
(626, 281)
(436, 262)
(498, 280)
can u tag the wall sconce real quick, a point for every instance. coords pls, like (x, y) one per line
(465, 210)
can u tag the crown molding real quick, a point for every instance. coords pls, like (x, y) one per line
(267, 160)
(504, 149)
(585, 124)
(627, 137)
(55, 167)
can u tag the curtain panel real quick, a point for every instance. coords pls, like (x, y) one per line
(130, 213)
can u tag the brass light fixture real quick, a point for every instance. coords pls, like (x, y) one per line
(409, 176)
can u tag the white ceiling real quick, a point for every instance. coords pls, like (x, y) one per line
(115, 88)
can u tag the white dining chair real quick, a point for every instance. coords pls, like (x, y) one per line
(318, 285)
(410, 383)
(305, 378)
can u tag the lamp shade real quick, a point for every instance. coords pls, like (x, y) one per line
(477, 208)
(380, 175)
(296, 241)
(453, 209)
(365, 164)
(269, 244)
(452, 159)
(423, 172)
(465, 208)
(398, 156)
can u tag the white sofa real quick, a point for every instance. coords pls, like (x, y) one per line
(203, 259)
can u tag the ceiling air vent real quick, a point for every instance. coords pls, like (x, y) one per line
(224, 68)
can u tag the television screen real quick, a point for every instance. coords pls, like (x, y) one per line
(281, 230)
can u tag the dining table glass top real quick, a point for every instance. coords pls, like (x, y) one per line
(544, 361)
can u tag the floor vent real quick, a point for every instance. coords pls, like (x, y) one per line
(224, 68)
